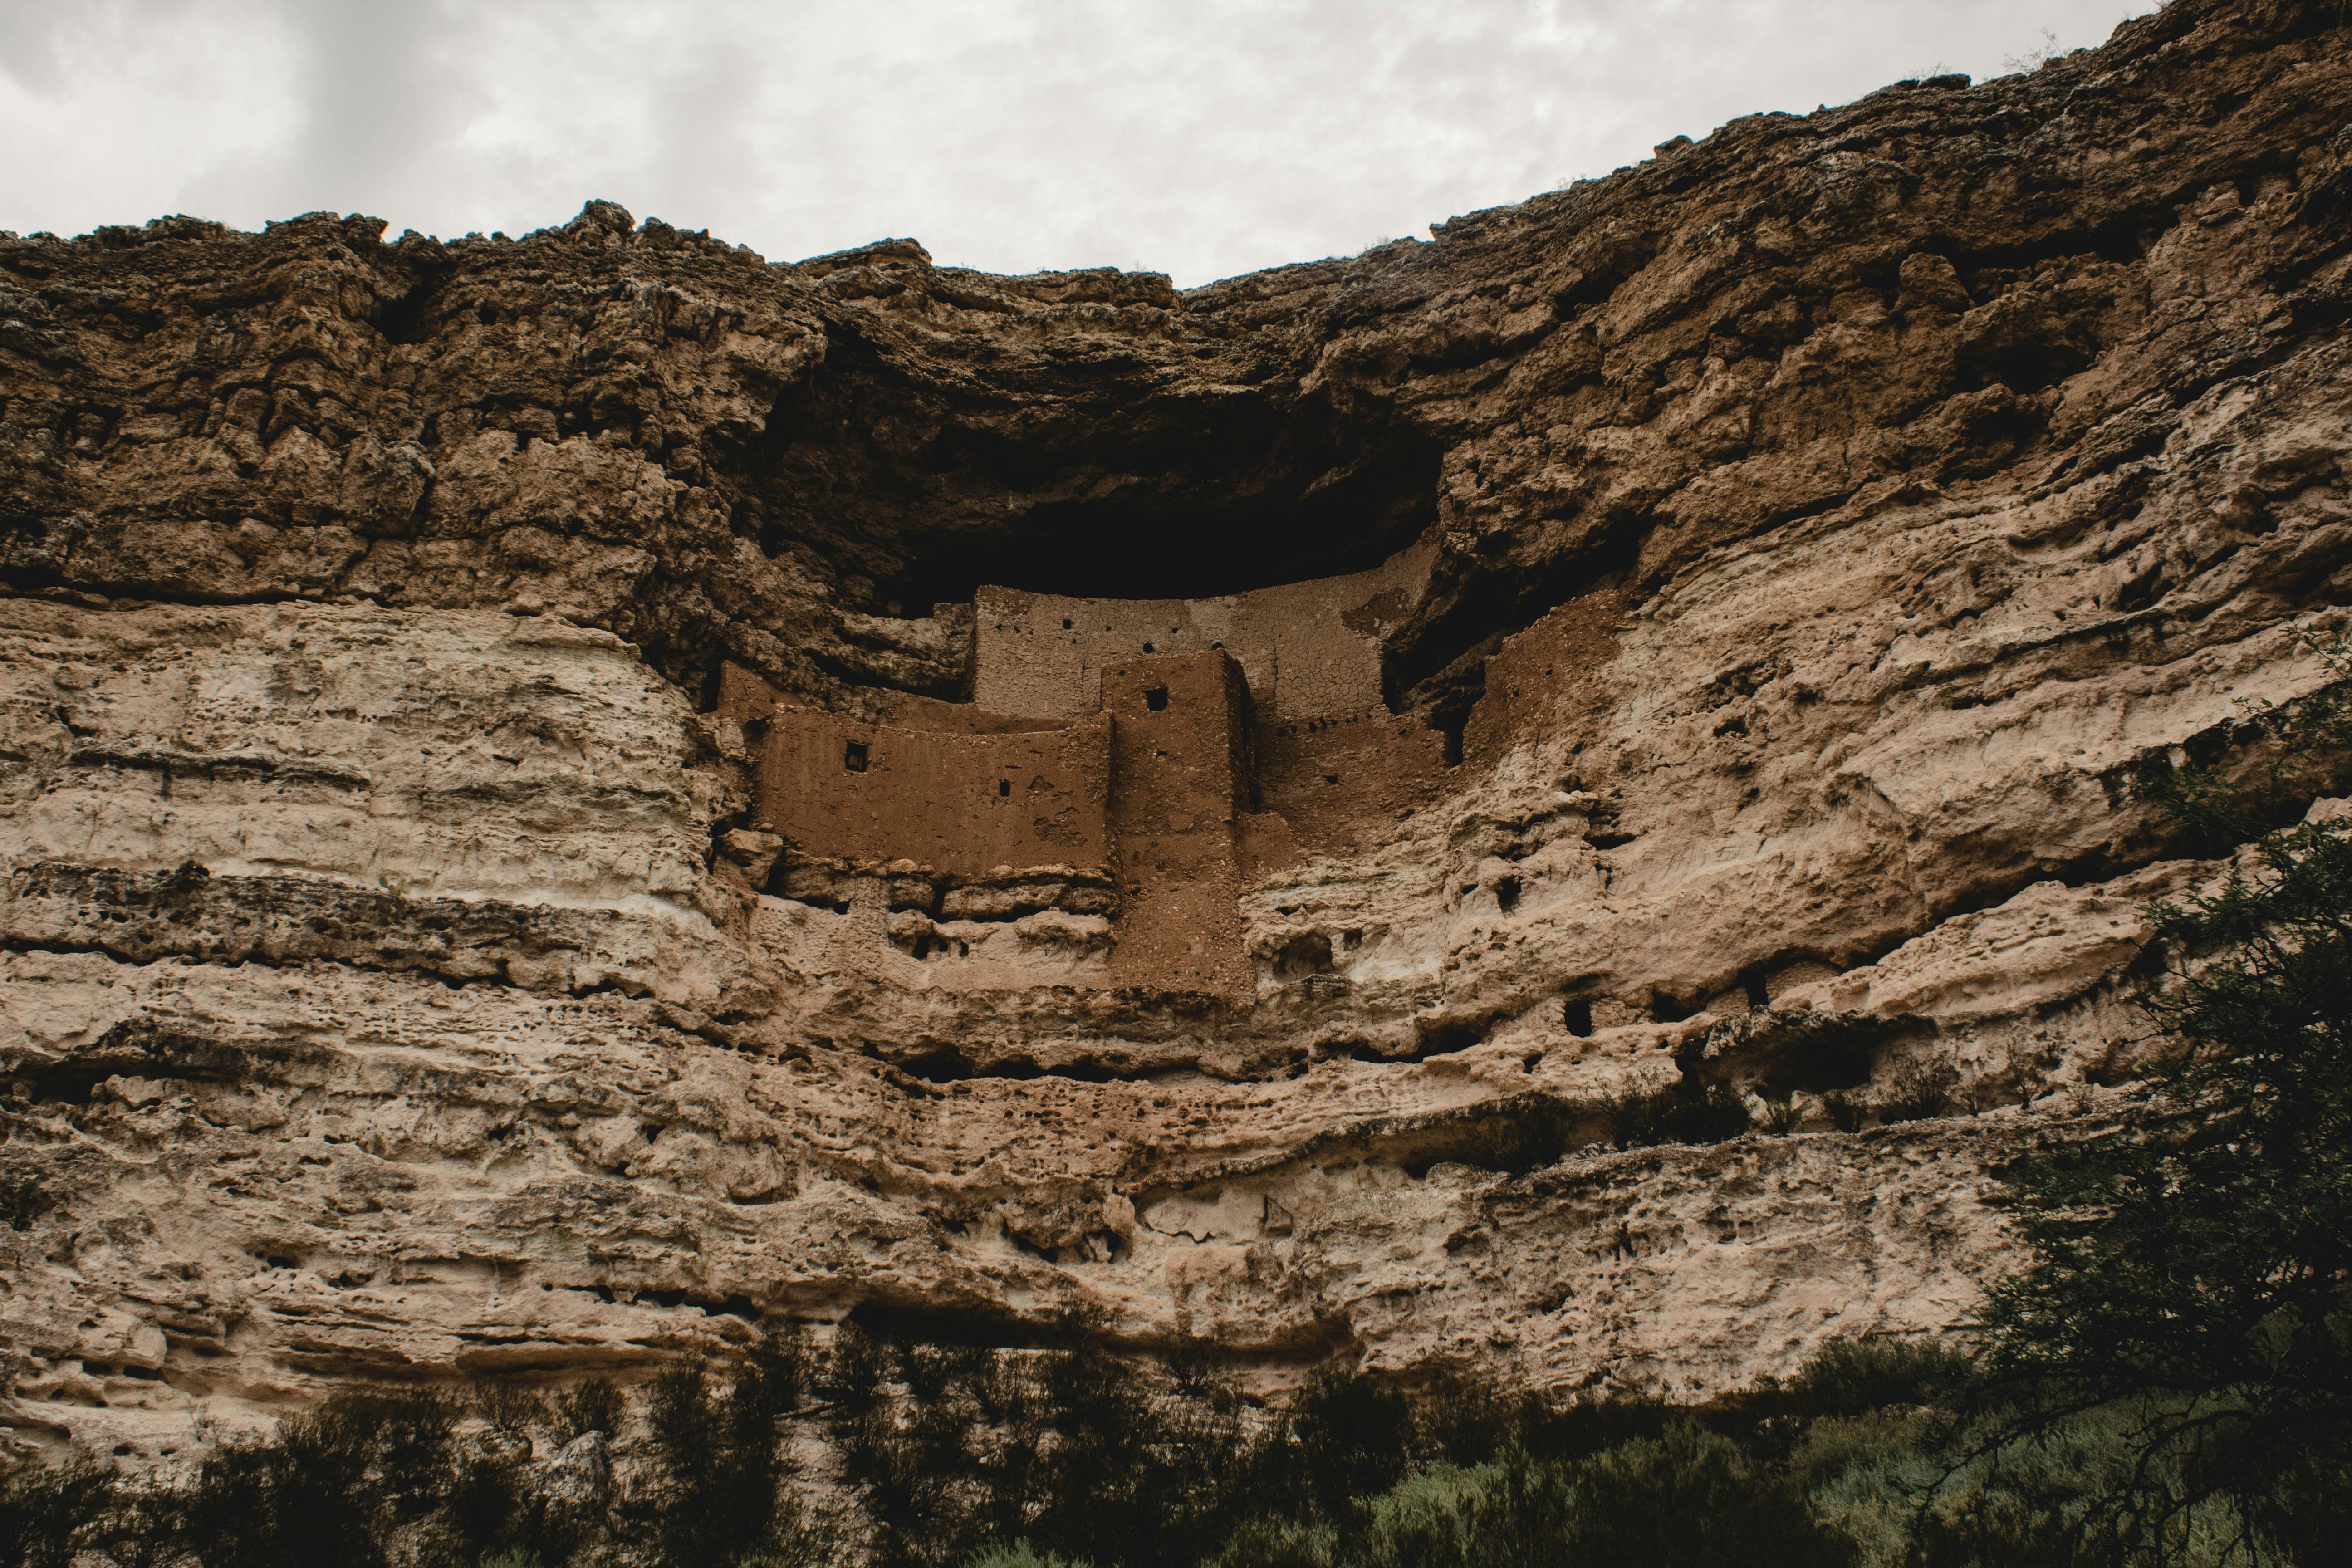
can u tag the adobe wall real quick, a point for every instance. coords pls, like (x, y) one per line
(1307, 649)
(746, 699)
(1180, 755)
(1336, 782)
(1543, 680)
(961, 803)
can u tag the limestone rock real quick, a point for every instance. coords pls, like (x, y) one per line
(1696, 627)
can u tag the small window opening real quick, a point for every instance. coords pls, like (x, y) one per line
(1506, 892)
(1065, 622)
(1576, 1016)
(1157, 698)
(1149, 648)
(841, 908)
(1003, 788)
(853, 756)
(1758, 995)
(1330, 778)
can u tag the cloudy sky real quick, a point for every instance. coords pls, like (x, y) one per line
(1200, 138)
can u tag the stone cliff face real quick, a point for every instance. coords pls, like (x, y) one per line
(1793, 547)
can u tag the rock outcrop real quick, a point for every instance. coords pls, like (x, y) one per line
(1794, 547)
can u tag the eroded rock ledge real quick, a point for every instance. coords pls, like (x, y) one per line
(439, 683)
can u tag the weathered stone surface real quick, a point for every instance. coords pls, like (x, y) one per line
(1825, 522)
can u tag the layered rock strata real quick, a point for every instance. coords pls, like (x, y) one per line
(1785, 555)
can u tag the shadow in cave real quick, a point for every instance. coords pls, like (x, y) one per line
(1093, 483)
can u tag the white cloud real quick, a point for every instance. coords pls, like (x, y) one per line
(1197, 137)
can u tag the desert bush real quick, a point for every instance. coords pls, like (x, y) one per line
(595, 1406)
(510, 1407)
(1857, 1377)
(1921, 1090)
(1680, 1114)
(713, 1486)
(48, 1511)
(333, 1486)
(1846, 1112)
(1020, 1555)
(1691, 1496)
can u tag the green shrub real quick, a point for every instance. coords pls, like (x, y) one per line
(1692, 1497)
(1857, 1377)
(2188, 1267)
(1020, 1555)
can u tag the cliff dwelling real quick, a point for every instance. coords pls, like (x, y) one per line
(1120, 770)
(1554, 802)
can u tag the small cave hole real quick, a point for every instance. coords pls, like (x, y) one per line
(1003, 788)
(1149, 648)
(1065, 622)
(1576, 1016)
(1330, 778)
(841, 908)
(1665, 1009)
(1752, 981)
(1506, 892)
(853, 756)
(1156, 699)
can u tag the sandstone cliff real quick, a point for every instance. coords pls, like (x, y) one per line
(1806, 536)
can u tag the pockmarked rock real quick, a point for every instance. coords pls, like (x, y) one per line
(564, 798)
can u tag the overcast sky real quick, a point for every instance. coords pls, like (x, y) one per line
(1198, 138)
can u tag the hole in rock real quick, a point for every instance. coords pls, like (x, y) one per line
(1149, 648)
(1665, 1009)
(1065, 622)
(1156, 699)
(1003, 788)
(853, 756)
(1576, 1016)
(1506, 892)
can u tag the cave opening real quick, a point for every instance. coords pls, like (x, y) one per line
(1091, 480)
